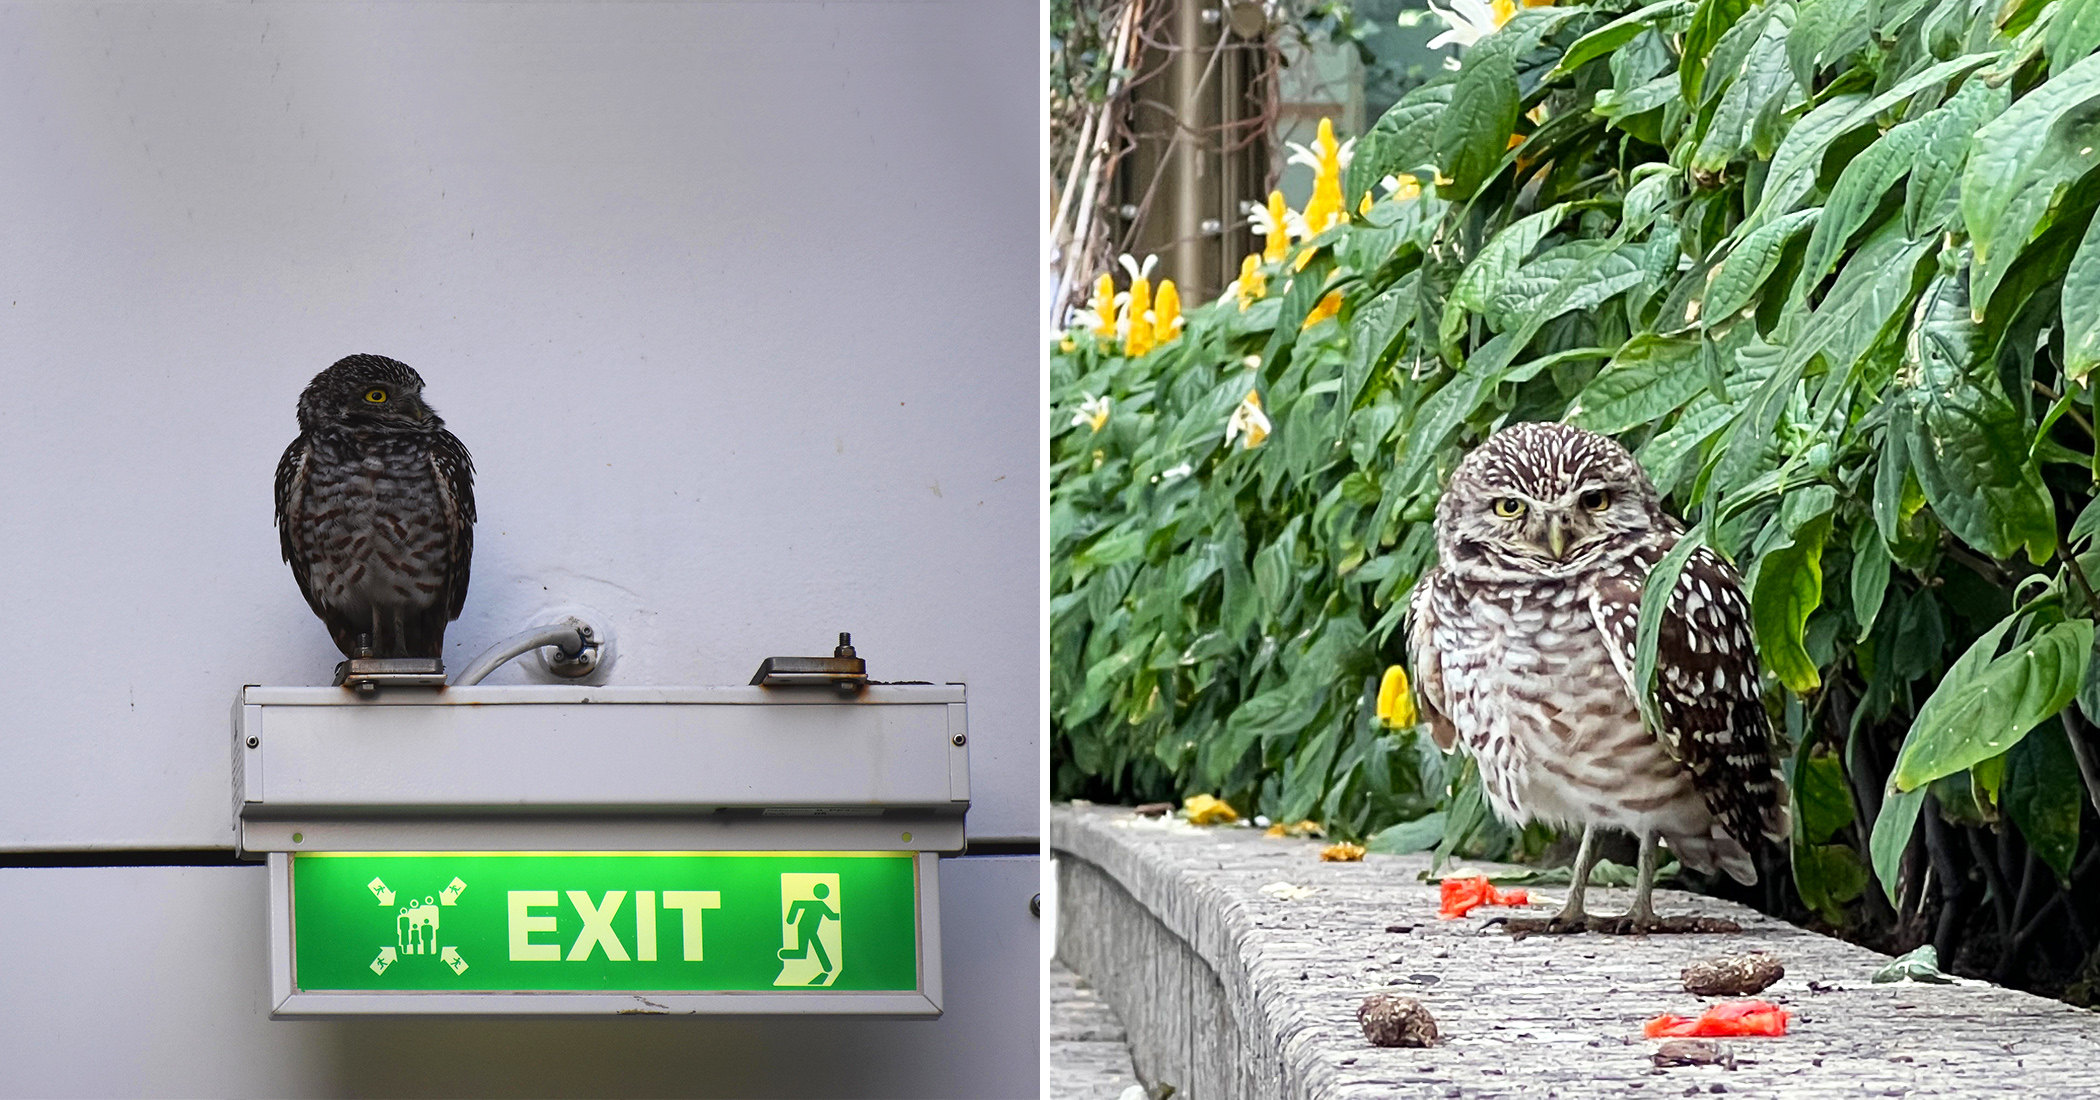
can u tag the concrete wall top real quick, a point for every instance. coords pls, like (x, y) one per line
(729, 302)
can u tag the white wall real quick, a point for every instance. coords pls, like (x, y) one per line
(732, 304)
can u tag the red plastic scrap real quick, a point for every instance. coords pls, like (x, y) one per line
(1461, 894)
(1729, 1018)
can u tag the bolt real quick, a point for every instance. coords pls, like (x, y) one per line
(254, 741)
(1035, 906)
(959, 739)
(297, 837)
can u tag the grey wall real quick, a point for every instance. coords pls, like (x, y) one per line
(732, 303)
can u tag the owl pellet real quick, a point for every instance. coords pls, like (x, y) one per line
(1390, 1021)
(1733, 975)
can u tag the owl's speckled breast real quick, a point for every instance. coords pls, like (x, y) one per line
(1535, 696)
(368, 501)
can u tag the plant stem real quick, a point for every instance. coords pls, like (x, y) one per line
(2075, 730)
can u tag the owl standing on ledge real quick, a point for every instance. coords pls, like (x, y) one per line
(1522, 642)
(375, 510)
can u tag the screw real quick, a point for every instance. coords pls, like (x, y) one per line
(1035, 906)
(297, 837)
(254, 741)
(959, 739)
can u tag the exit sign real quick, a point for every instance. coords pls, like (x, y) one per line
(716, 931)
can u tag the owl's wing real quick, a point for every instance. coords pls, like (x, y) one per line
(291, 488)
(1422, 653)
(1706, 687)
(454, 469)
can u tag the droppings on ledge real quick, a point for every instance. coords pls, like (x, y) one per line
(1693, 1052)
(1733, 975)
(1390, 1021)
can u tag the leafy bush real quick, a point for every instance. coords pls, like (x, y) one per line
(1828, 268)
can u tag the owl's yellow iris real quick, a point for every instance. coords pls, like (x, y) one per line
(376, 397)
(1508, 507)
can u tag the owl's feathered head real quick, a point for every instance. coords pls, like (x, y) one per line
(1544, 500)
(368, 392)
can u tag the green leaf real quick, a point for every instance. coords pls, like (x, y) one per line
(1749, 264)
(2081, 299)
(1823, 798)
(1655, 597)
(1649, 378)
(1473, 132)
(1617, 33)
(1829, 877)
(1969, 448)
(1709, 23)
(1870, 576)
(2043, 796)
(1787, 589)
(1856, 193)
(2019, 163)
(1500, 258)
(1891, 835)
(1402, 140)
(1931, 199)
(1418, 835)
(2072, 34)
(1987, 702)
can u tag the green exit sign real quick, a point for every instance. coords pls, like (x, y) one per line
(780, 930)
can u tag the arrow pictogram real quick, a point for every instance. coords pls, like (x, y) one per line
(386, 957)
(450, 957)
(450, 894)
(380, 891)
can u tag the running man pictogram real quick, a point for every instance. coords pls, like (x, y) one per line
(812, 953)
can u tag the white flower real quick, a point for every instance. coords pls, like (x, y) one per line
(1293, 223)
(1310, 157)
(1136, 270)
(1093, 412)
(1468, 21)
(1180, 471)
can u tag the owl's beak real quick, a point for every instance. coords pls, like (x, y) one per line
(1556, 537)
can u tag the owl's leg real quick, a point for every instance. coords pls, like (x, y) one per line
(1579, 880)
(1642, 916)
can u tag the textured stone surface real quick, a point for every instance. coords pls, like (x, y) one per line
(1088, 1058)
(1231, 991)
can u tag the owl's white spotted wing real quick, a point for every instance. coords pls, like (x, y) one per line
(291, 486)
(1706, 686)
(1422, 654)
(453, 469)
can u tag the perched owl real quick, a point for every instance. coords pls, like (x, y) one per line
(375, 510)
(1522, 641)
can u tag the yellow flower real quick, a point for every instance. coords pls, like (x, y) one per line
(1324, 210)
(1252, 286)
(1166, 313)
(1327, 307)
(1139, 341)
(1305, 256)
(1297, 828)
(1067, 344)
(1396, 704)
(1202, 809)
(1249, 419)
(1364, 207)
(1104, 306)
(1344, 852)
(1277, 229)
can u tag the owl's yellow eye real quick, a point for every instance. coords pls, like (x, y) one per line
(1596, 500)
(1508, 507)
(376, 397)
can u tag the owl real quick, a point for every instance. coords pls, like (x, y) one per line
(375, 510)
(1522, 640)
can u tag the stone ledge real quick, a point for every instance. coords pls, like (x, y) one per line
(1230, 992)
